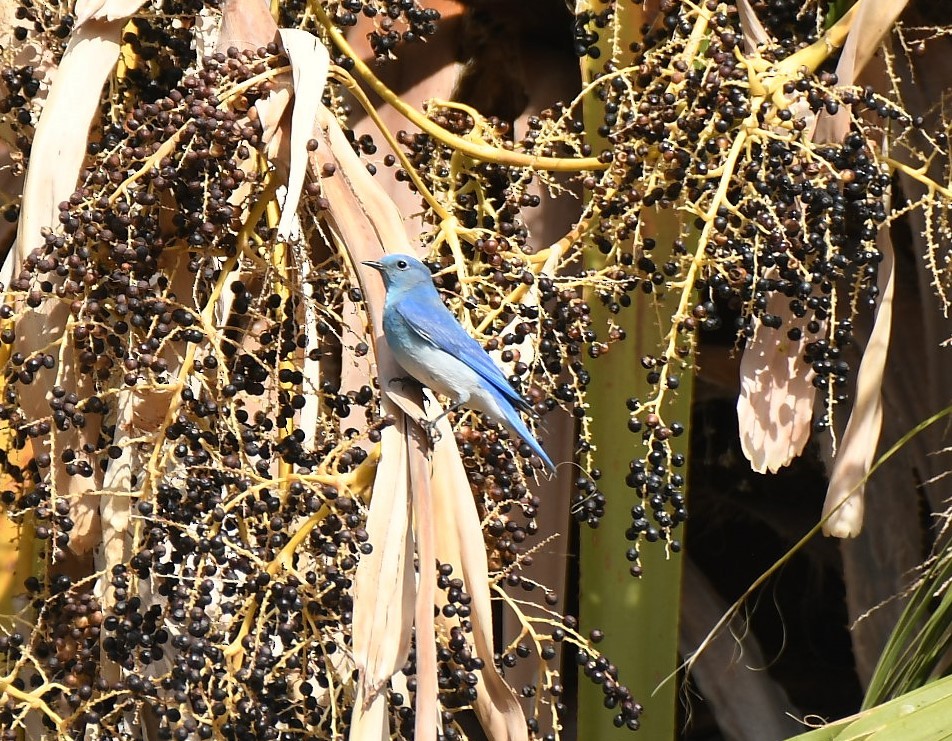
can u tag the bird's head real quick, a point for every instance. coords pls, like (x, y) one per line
(401, 271)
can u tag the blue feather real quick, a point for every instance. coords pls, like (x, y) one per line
(421, 313)
(430, 344)
(515, 423)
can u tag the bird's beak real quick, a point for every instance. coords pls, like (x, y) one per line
(373, 264)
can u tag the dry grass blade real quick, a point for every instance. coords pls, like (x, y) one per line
(843, 507)
(748, 702)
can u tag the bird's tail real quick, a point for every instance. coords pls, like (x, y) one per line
(514, 422)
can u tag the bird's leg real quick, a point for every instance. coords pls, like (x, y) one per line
(429, 425)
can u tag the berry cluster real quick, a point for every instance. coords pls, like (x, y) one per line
(772, 213)
(688, 125)
(229, 612)
(395, 22)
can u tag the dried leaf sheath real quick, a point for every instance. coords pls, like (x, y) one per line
(427, 710)
(357, 204)
(71, 105)
(309, 66)
(106, 10)
(776, 399)
(384, 586)
(775, 407)
(460, 543)
(843, 507)
(873, 21)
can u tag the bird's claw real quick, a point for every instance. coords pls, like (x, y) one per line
(406, 381)
(433, 435)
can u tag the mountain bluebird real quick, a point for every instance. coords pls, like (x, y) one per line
(433, 348)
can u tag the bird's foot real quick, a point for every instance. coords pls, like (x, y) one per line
(406, 381)
(433, 435)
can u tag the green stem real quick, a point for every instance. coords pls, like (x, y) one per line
(638, 616)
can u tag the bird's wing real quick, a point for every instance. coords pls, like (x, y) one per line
(433, 322)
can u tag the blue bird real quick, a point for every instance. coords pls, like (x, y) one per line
(429, 344)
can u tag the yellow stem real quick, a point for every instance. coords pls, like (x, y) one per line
(918, 174)
(811, 57)
(699, 256)
(347, 80)
(31, 699)
(477, 150)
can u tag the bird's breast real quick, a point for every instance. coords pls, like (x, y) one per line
(436, 369)
(439, 370)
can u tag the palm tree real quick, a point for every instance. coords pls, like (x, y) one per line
(226, 519)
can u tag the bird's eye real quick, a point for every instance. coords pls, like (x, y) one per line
(402, 264)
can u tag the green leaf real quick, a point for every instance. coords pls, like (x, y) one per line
(921, 715)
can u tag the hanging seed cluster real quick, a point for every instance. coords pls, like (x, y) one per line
(228, 612)
(230, 615)
(768, 213)
(395, 22)
(791, 22)
(778, 230)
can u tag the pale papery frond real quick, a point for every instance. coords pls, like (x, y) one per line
(309, 65)
(776, 399)
(843, 506)
(775, 404)
(872, 22)
(427, 710)
(72, 102)
(105, 10)
(384, 581)
(754, 32)
(245, 24)
(384, 590)
(777, 396)
(272, 112)
(384, 585)
(459, 542)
